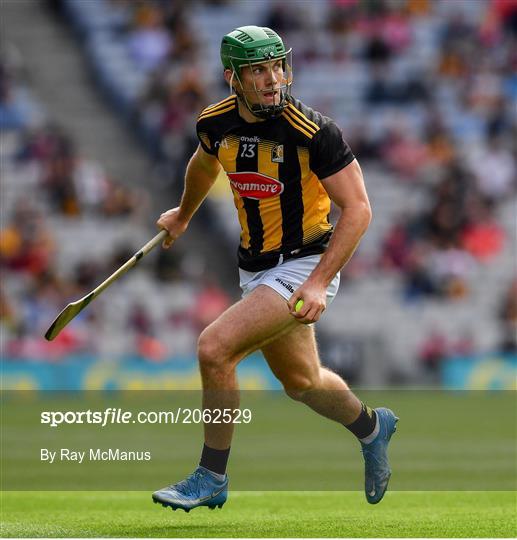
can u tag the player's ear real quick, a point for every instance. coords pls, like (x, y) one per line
(228, 75)
(232, 80)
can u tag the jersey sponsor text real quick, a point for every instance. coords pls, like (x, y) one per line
(254, 185)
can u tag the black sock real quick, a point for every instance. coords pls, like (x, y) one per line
(214, 460)
(365, 422)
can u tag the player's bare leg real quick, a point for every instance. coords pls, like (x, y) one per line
(256, 320)
(295, 362)
(240, 330)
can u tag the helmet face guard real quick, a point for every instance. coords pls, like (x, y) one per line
(248, 46)
(257, 108)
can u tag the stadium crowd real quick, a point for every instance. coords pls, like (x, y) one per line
(463, 162)
(442, 124)
(63, 184)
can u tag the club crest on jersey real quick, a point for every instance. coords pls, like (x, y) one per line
(277, 154)
(253, 185)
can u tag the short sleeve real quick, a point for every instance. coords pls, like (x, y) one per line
(204, 138)
(328, 151)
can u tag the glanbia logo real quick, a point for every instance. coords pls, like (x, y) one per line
(255, 185)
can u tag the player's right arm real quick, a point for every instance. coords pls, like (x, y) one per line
(202, 171)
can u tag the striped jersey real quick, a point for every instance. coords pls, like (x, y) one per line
(274, 168)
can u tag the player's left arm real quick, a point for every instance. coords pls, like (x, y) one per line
(347, 190)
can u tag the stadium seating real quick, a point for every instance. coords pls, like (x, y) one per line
(420, 91)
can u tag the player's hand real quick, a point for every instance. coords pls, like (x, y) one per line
(173, 224)
(314, 298)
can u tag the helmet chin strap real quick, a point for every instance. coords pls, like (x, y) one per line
(268, 112)
(261, 111)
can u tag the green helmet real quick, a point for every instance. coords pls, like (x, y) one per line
(248, 45)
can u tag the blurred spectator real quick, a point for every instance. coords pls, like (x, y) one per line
(451, 268)
(12, 115)
(436, 348)
(282, 19)
(506, 13)
(418, 8)
(499, 120)
(482, 236)
(184, 99)
(440, 147)
(418, 281)
(209, 303)
(72, 184)
(431, 100)
(508, 319)
(380, 90)
(463, 345)
(170, 105)
(340, 17)
(39, 306)
(167, 267)
(445, 222)
(121, 202)
(86, 275)
(432, 352)
(26, 244)
(139, 320)
(404, 154)
(494, 169)
(457, 43)
(58, 181)
(141, 326)
(43, 301)
(485, 88)
(8, 316)
(396, 28)
(90, 183)
(377, 51)
(149, 43)
(395, 251)
(151, 348)
(366, 148)
(44, 143)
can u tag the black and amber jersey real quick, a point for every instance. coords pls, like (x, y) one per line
(274, 168)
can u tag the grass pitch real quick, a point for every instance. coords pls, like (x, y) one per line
(445, 441)
(261, 514)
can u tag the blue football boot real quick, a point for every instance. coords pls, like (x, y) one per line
(199, 489)
(377, 468)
